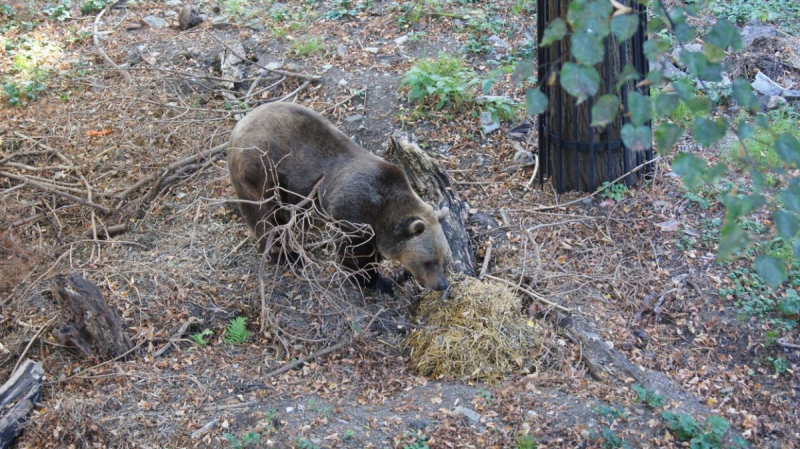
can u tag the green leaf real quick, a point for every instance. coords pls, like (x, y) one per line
(685, 33)
(640, 108)
(684, 88)
(786, 223)
(745, 131)
(762, 121)
(698, 104)
(653, 48)
(624, 26)
(690, 168)
(771, 269)
(708, 132)
(787, 147)
(487, 85)
(535, 101)
(628, 73)
(724, 35)
(587, 48)
(790, 197)
(637, 138)
(666, 104)
(796, 249)
(655, 77)
(667, 135)
(605, 110)
(732, 237)
(790, 305)
(743, 93)
(580, 82)
(554, 31)
(523, 69)
(695, 61)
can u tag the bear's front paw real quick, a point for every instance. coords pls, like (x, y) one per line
(384, 285)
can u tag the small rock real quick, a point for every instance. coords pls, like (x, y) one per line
(327, 67)
(524, 158)
(401, 40)
(132, 26)
(277, 7)
(255, 24)
(488, 124)
(775, 102)
(274, 66)
(155, 22)
(188, 18)
(292, 66)
(498, 42)
(133, 57)
(667, 68)
(693, 48)
(170, 13)
(220, 22)
(342, 82)
(289, 409)
(173, 2)
(341, 49)
(354, 118)
(418, 424)
(372, 49)
(471, 416)
(752, 32)
(791, 95)
(766, 86)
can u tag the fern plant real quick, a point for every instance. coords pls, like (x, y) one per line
(236, 333)
(200, 337)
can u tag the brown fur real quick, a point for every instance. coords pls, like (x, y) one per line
(357, 187)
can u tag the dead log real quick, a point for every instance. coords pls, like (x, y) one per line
(430, 180)
(18, 396)
(92, 327)
(607, 364)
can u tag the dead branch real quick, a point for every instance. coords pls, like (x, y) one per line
(35, 337)
(54, 191)
(173, 166)
(531, 293)
(311, 78)
(315, 355)
(357, 93)
(100, 47)
(177, 336)
(18, 396)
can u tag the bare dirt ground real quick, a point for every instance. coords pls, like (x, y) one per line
(638, 269)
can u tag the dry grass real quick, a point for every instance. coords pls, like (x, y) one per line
(478, 334)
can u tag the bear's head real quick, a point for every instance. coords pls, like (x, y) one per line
(419, 245)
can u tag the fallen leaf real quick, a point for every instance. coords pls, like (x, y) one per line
(669, 225)
(98, 133)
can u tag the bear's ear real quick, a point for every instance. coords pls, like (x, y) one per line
(442, 213)
(416, 227)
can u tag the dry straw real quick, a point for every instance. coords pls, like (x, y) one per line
(479, 333)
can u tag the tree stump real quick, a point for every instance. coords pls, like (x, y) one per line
(92, 327)
(18, 396)
(430, 180)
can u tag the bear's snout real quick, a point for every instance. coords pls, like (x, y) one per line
(441, 284)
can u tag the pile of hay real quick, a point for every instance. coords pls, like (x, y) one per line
(478, 333)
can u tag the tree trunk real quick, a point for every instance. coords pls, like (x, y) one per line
(577, 156)
(18, 397)
(92, 327)
(430, 180)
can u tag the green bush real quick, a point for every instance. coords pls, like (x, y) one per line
(444, 81)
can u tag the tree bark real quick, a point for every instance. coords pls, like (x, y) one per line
(583, 157)
(430, 180)
(18, 396)
(92, 327)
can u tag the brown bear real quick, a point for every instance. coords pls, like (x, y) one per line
(303, 149)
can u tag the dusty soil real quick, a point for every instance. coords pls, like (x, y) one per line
(187, 254)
